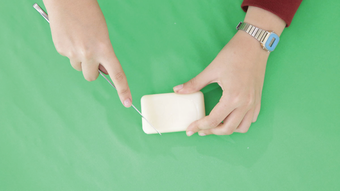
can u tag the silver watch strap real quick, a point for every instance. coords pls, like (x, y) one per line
(257, 33)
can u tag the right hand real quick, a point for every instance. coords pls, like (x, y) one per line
(80, 33)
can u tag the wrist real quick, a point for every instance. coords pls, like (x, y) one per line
(263, 26)
(249, 44)
(265, 20)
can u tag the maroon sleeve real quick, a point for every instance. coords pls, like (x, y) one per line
(285, 9)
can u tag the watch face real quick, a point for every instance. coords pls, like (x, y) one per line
(272, 42)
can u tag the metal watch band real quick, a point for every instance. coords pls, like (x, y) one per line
(257, 33)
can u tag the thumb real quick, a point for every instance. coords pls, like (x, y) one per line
(194, 85)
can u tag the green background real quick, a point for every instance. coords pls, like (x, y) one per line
(60, 132)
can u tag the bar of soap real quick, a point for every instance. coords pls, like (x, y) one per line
(171, 112)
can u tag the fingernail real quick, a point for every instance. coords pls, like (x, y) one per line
(127, 103)
(201, 134)
(189, 133)
(177, 88)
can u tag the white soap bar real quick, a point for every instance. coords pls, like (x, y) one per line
(171, 112)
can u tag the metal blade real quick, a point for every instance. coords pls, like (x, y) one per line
(101, 73)
(42, 12)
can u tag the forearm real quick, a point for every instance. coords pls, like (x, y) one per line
(67, 5)
(76, 19)
(81, 11)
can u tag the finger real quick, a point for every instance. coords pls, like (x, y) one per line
(195, 84)
(101, 68)
(246, 122)
(229, 124)
(216, 116)
(118, 77)
(76, 64)
(90, 70)
(256, 112)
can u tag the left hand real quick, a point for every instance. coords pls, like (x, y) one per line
(239, 70)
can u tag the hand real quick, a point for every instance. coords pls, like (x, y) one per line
(239, 69)
(79, 32)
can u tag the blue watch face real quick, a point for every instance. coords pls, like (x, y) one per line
(272, 42)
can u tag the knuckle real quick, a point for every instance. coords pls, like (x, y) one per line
(227, 131)
(71, 54)
(212, 123)
(85, 53)
(243, 130)
(235, 100)
(59, 49)
(76, 67)
(119, 76)
(103, 47)
(243, 100)
(250, 98)
(259, 106)
(193, 125)
(224, 102)
(192, 83)
(90, 78)
(250, 101)
(125, 91)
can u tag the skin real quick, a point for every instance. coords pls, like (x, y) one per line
(79, 32)
(239, 69)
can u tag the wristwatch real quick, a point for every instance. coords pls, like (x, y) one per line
(268, 39)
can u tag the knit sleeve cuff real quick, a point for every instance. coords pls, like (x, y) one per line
(285, 9)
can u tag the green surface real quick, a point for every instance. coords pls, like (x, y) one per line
(60, 132)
